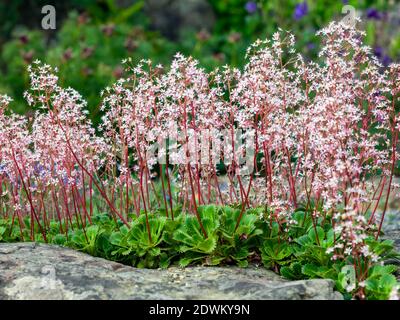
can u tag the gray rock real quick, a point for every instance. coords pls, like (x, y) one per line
(393, 235)
(39, 271)
(392, 220)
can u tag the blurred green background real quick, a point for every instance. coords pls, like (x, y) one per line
(93, 36)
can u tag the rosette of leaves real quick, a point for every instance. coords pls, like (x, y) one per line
(310, 250)
(121, 250)
(191, 241)
(237, 243)
(105, 221)
(383, 249)
(275, 252)
(378, 285)
(108, 226)
(135, 243)
(381, 282)
(311, 247)
(147, 248)
(303, 220)
(170, 249)
(293, 271)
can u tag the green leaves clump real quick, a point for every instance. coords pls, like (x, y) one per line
(191, 241)
(296, 251)
(380, 281)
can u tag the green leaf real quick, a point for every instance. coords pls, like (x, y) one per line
(60, 239)
(303, 240)
(2, 232)
(315, 271)
(378, 270)
(242, 263)
(190, 236)
(214, 260)
(184, 262)
(155, 252)
(314, 232)
(274, 252)
(165, 260)
(207, 245)
(292, 272)
(346, 281)
(128, 12)
(310, 270)
(116, 238)
(381, 248)
(138, 235)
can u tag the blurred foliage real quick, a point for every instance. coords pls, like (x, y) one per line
(93, 36)
(88, 56)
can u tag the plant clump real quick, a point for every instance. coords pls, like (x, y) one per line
(286, 149)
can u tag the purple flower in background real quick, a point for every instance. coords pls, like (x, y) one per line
(65, 180)
(300, 10)
(382, 56)
(372, 13)
(3, 169)
(310, 46)
(38, 169)
(251, 6)
(386, 60)
(379, 118)
(378, 51)
(345, 1)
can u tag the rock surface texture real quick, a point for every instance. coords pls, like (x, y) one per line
(38, 271)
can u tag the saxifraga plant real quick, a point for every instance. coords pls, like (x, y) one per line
(324, 154)
(181, 242)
